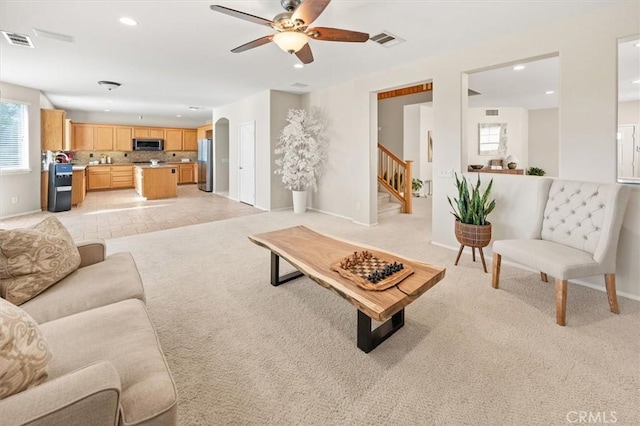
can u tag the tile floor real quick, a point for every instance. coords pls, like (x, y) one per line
(118, 213)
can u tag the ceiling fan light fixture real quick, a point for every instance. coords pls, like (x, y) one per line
(290, 41)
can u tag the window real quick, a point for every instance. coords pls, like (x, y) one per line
(14, 136)
(492, 138)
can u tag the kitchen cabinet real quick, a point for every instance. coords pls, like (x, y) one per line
(156, 182)
(148, 132)
(44, 190)
(122, 138)
(78, 187)
(205, 132)
(173, 139)
(103, 138)
(82, 137)
(122, 176)
(53, 129)
(187, 173)
(190, 140)
(98, 177)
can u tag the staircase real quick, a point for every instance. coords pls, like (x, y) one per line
(386, 206)
(394, 175)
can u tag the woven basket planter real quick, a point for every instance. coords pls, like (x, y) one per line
(473, 235)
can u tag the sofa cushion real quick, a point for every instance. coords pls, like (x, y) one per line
(113, 280)
(24, 353)
(33, 259)
(122, 334)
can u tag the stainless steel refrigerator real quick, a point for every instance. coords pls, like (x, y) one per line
(205, 165)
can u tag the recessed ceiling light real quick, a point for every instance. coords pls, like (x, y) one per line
(178, 116)
(637, 45)
(128, 21)
(518, 67)
(109, 101)
(194, 108)
(107, 110)
(636, 81)
(549, 92)
(110, 85)
(298, 66)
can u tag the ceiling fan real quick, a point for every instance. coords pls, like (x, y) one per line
(292, 26)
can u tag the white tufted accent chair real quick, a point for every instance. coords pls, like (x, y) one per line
(576, 236)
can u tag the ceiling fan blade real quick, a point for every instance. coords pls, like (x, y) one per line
(309, 10)
(305, 55)
(335, 34)
(255, 43)
(244, 16)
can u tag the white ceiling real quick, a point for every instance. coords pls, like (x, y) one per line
(179, 53)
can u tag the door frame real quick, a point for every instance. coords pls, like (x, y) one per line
(240, 127)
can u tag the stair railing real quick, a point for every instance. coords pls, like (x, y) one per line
(395, 176)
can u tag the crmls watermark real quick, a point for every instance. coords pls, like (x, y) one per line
(592, 417)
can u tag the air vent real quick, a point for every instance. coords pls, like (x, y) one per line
(491, 112)
(17, 39)
(387, 39)
(55, 36)
(300, 85)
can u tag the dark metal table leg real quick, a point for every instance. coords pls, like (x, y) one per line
(276, 279)
(369, 339)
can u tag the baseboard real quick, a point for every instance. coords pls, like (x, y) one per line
(489, 260)
(21, 214)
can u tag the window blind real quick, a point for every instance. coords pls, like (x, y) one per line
(14, 138)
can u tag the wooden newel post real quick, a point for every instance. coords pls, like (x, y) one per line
(407, 188)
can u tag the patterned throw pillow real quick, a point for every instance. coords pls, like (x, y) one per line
(24, 354)
(33, 259)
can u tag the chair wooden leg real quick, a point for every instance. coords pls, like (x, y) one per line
(561, 301)
(473, 253)
(459, 254)
(543, 277)
(484, 265)
(610, 282)
(495, 278)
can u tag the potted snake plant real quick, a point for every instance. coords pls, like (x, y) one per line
(471, 209)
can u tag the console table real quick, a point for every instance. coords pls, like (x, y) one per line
(502, 171)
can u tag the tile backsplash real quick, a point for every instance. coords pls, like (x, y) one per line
(118, 157)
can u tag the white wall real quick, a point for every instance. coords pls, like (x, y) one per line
(390, 121)
(253, 108)
(544, 140)
(587, 47)
(221, 158)
(629, 112)
(281, 103)
(517, 122)
(24, 185)
(411, 138)
(426, 124)
(102, 117)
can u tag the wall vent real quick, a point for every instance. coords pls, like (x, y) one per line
(387, 39)
(17, 39)
(491, 113)
(300, 85)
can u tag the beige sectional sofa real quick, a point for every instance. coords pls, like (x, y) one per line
(106, 366)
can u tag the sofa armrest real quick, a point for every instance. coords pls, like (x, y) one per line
(89, 396)
(91, 251)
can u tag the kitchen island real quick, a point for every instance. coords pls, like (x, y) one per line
(155, 182)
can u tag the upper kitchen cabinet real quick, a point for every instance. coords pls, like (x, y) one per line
(148, 133)
(103, 138)
(205, 132)
(122, 138)
(173, 139)
(53, 129)
(82, 137)
(190, 140)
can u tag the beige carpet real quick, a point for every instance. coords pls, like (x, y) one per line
(244, 352)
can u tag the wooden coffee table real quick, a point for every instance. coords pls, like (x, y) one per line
(312, 253)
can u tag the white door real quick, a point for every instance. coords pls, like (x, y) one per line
(627, 162)
(247, 163)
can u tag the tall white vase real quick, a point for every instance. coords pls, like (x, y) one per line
(299, 201)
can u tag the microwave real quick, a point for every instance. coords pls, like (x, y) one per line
(148, 144)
